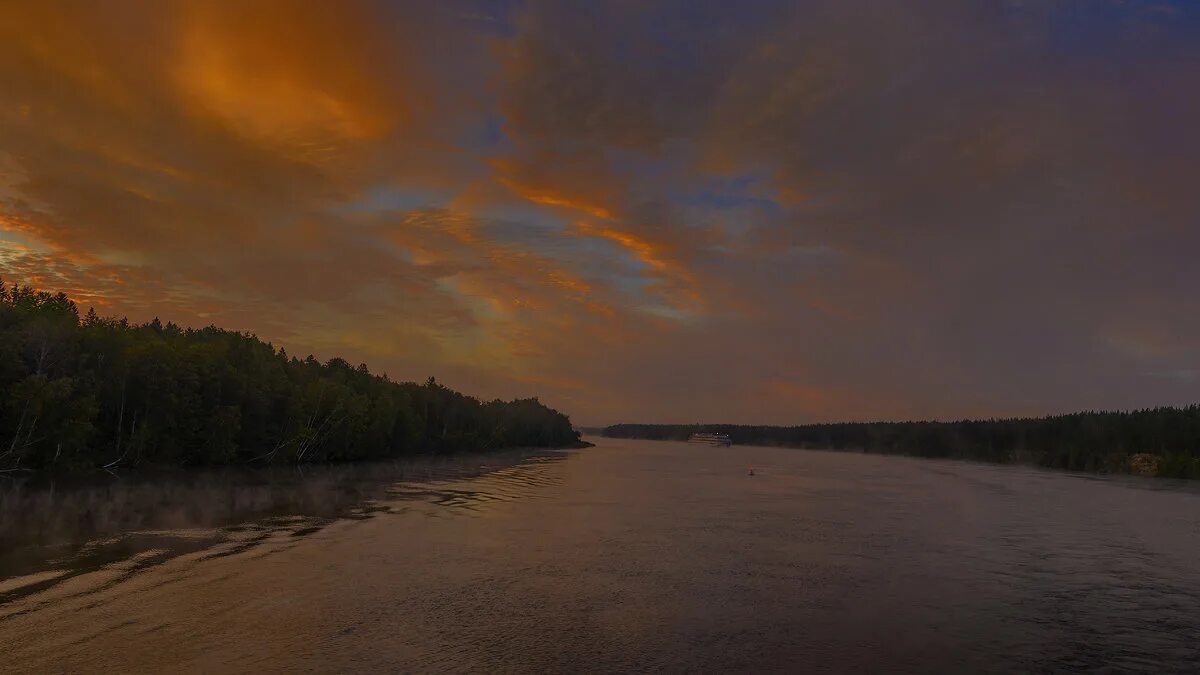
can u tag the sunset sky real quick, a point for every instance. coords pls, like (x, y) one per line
(760, 212)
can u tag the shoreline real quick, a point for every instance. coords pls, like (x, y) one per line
(1139, 465)
(84, 473)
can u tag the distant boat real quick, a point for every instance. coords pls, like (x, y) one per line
(711, 439)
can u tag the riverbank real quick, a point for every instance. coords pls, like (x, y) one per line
(71, 475)
(1152, 442)
(100, 393)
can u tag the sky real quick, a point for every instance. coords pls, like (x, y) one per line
(677, 211)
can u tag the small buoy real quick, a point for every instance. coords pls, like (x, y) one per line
(750, 472)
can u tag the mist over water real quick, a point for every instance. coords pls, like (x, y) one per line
(79, 525)
(632, 555)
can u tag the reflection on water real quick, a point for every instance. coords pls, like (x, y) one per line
(632, 556)
(52, 531)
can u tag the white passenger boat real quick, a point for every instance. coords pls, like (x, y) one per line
(711, 439)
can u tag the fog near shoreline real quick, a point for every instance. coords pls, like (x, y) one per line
(77, 524)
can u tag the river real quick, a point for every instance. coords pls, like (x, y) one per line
(629, 556)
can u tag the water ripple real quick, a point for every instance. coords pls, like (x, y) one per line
(211, 511)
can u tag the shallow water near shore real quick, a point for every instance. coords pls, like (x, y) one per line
(630, 556)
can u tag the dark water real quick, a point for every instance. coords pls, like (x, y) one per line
(631, 556)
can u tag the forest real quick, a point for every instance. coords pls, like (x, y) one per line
(1156, 441)
(90, 392)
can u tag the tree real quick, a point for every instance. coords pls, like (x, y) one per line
(104, 392)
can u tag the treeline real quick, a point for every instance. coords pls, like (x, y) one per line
(102, 392)
(1158, 441)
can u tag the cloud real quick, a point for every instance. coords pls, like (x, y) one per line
(681, 210)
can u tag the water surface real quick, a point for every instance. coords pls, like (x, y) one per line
(630, 556)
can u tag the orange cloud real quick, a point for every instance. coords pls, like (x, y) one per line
(642, 249)
(678, 280)
(556, 181)
(286, 77)
(509, 277)
(549, 197)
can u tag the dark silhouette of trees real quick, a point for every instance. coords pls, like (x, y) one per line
(1162, 441)
(101, 392)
